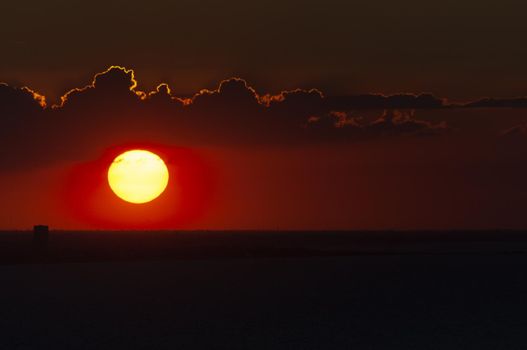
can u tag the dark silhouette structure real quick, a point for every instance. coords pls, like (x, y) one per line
(40, 234)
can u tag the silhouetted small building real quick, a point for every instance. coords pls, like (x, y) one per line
(40, 234)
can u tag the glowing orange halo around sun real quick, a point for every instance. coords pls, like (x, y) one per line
(138, 176)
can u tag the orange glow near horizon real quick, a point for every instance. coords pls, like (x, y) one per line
(138, 176)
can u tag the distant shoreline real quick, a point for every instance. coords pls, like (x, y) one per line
(18, 247)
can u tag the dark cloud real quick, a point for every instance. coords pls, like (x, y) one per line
(111, 110)
(399, 101)
(519, 102)
(349, 126)
(21, 125)
(404, 122)
(233, 107)
(162, 96)
(115, 86)
(19, 102)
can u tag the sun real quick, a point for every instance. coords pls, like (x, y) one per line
(138, 176)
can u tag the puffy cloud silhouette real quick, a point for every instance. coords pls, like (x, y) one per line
(22, 116)
(111, 110)
(518, 102)
(107, 87)
(399, 101)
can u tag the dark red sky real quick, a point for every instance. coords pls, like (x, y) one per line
(254, 153)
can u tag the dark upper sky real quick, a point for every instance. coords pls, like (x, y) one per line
(456, 49)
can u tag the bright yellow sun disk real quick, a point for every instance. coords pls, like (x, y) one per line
(138, 176)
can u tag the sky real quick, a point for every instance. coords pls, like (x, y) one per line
(455, 49)
(275, 115)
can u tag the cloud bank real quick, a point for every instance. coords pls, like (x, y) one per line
(111, 109)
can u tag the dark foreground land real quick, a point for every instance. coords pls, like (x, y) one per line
(264, 290)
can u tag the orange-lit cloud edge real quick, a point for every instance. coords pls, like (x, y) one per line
(233, 113)
(263, 99)
(199, 178)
